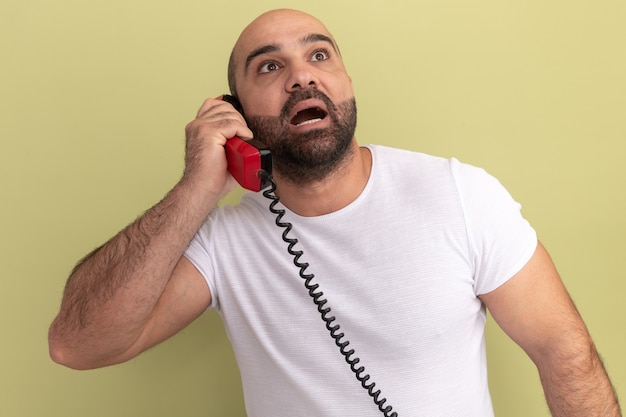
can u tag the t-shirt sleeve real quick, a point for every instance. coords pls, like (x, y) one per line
(500, 240)
(198, 253)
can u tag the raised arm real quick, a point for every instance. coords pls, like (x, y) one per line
(138, 289)
(535, 310)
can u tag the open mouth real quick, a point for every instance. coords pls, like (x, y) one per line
(308, 116)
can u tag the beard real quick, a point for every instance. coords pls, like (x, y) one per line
(311, 156)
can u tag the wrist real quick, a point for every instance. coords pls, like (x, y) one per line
(200, 194)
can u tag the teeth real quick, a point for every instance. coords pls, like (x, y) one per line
(308, 122)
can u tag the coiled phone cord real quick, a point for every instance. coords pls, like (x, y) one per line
(316, 295)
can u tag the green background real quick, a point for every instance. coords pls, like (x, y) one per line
(93, 103)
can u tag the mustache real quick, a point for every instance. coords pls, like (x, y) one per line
(301, 95)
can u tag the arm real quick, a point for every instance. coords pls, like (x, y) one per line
(138, 289)
(535, 310)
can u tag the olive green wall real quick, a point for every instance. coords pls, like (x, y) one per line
(95, 95)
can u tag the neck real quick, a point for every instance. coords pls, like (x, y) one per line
(332, 193)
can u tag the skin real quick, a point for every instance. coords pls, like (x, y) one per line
(263, 94)
(138, 289)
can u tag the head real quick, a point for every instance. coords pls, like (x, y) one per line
(287, 72)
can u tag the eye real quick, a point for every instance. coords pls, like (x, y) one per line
(320, 55)
(267, 67)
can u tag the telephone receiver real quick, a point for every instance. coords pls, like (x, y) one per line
(247, 158)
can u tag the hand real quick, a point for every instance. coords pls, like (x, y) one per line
(205, 160)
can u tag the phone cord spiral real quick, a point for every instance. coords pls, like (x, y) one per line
(320, 302)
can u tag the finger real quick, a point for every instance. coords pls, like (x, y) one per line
(214, 109)
(224, 117)
(208, 105)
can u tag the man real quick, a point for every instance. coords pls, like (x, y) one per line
(407, 249)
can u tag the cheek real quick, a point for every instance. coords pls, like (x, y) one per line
(262, 103)
(344, 88)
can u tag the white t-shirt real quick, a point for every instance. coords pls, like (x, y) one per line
(400, 267)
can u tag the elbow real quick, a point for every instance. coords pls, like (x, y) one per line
(61, 355)
(575, 351)
(62, 352)
(78, 353)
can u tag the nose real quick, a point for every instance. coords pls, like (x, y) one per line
(300, 77)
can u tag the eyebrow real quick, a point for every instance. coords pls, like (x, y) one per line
(261, 51)
(311, 38)
(317, 37)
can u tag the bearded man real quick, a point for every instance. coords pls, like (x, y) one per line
(408, 251)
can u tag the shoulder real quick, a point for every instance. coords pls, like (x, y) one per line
(397, 157)
(417, 169)
(402, 159)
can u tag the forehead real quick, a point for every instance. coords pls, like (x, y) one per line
(278, 28)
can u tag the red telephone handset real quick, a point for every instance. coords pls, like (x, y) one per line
(247, 158)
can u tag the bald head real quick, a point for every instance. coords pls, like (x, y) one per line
(258, 36)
